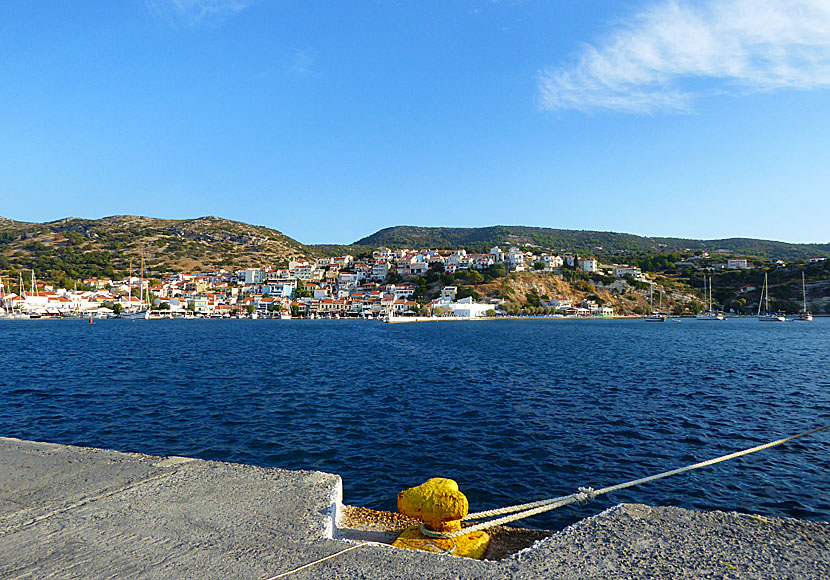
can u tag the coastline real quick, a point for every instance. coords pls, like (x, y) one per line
(74, 512)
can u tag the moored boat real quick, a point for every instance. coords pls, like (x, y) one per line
(710, 314)
(768, 316)
(805, 315)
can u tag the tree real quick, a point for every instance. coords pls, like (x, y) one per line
(533, 299)
(116, 308)
(497, 271)
(301, 292)
(466, 291)
(475, 277)
(295, 311)
(250, 308)
(539, 265)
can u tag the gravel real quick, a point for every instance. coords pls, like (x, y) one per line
(640, 541)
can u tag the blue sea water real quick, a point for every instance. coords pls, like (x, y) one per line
(514, 410)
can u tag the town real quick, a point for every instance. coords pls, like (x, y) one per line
(380, 286)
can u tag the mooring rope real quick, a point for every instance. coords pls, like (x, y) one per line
(584, 494)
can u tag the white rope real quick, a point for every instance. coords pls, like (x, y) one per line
(303, 567)
(586, 493)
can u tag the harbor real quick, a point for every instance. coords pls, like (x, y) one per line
(511, 410)
(239, 241)
(73, 512)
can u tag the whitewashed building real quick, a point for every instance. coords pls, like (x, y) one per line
(623, 271)
(588, 265)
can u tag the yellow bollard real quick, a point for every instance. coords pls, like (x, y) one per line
(441, 506)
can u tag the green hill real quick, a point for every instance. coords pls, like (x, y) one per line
(582, 241)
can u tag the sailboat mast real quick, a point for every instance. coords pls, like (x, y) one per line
(141, 298)
(804, 292)
(706, 300)
(761, 299)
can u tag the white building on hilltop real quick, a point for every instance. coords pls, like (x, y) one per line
(623, 271)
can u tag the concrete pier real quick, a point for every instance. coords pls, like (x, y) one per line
(70, 512)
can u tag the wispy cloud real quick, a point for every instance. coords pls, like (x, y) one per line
(191, 13)
(302, 63)
(669, 55)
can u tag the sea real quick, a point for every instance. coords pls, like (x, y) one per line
(513, 410)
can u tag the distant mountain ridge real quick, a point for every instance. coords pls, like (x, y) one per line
(583, 241)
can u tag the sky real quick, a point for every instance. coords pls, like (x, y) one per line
(331, 120)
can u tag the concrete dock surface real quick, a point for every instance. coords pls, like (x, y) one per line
(72, 512)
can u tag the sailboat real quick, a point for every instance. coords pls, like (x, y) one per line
(709, 314)
(804, 315)
(34, 313)
(141, 313)
(18, 312)
(4, 299)
(767, 316)
(652, 317)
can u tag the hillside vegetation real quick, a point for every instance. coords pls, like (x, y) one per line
(531, 292)
(582, 241)
(76, 248)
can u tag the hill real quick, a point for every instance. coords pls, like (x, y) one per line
(76, 248)
(582, 241)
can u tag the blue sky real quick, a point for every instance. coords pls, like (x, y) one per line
(331, 120)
